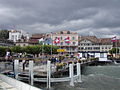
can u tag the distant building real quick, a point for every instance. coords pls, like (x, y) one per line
(93, 46)
(16, 35)
(34, 39)
(22, 42)
(4, 42)
(67, 40)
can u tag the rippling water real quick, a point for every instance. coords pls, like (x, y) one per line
(95, 78)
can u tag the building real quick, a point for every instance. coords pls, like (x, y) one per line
(7, 43)
(67, 40)
(22, 42)
(16, 35)
(93, 46)
(34, 39)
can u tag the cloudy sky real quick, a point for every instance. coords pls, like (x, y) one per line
(87, 17)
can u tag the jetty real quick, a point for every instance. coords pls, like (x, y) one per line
(33, 70)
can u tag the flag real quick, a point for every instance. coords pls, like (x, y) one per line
(114, 39)
(67, 40)
(57, 40)
(48, 41)
(41, 41)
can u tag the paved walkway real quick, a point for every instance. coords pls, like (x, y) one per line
(5, 86)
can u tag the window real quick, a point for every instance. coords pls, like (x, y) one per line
(68, 43)
(101, 55)
(88, 48)
(61, 32)
(82, 47)
(61, 38)
(73, 38)
(61, 43)
(68, 32)
(74, 43)
(73, 49)
(67, 48)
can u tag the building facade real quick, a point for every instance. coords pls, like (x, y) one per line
(67, 40)
(34, 39)
(15, 35)
(93, 46)
(7, 43)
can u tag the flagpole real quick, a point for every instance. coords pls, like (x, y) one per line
(116, 48)
(60, 47)
(51, 44)
(43, 49)
(69, 47)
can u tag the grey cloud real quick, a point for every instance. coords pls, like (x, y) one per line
(93, 16)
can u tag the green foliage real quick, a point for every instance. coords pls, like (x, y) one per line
(113, 50)
(67, 55)
(47, 49)
(61, 57)
(2, 51)
(17, 49)
(4, 34)
(33, 49)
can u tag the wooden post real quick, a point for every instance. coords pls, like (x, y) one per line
(71, 73)
(16, 68)
(48, 74)
(31, 72)
(79, 72)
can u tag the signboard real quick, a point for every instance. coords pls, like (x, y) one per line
(61, 50)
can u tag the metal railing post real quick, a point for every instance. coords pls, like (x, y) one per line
(16, 68)
(48, 74)
(79, 72)
(31, 72)
(71, 73)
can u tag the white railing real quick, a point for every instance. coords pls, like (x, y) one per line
(71, 77)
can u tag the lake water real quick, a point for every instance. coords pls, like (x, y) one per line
(95, 78)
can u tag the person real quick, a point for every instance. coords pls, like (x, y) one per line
(8, 54)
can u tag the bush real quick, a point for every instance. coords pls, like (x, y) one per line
(2, 51)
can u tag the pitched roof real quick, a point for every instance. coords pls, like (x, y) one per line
(91, 38)
(96, 40)
(105, 40)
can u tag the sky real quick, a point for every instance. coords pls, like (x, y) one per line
(87, 17)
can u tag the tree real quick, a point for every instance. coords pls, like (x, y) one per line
(113, 50)
(2, 51)
(47, 49)
(33, 49)
(4, 34)
(17, 49)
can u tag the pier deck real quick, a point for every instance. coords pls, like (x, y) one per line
(6, 86)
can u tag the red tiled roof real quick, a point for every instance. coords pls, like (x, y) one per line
(33, 41)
